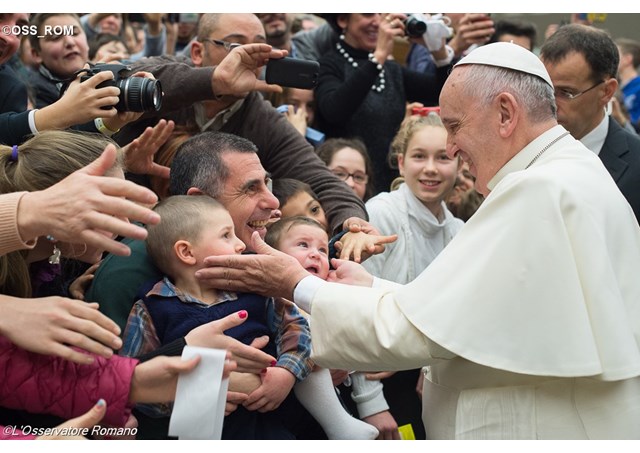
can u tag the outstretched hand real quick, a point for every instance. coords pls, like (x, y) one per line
(357, 225)
(155, 381)
(359, 246)
(138, 155)
(85, 204)
(250, 359)
(269, 272)
(57, 326)
(237, 73)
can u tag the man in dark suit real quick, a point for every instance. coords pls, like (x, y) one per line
(13, 91)
(582, 62)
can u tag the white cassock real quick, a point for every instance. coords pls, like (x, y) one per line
(528, 321)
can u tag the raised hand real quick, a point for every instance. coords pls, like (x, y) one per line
(56, 326)
(237, 73)
(84, 205)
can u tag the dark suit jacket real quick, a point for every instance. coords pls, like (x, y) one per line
(620, 154)
(13, 91)
(14, 119)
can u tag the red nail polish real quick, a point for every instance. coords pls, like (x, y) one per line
(273, 363)
(263, 371)
(242, 314)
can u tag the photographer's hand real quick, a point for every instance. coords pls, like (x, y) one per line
(121, 119)
(391, 26)
(473, 28)
(81, 103)
(237, 73)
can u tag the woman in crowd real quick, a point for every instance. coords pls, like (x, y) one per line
(349, 160)
(362, 93)
(417, 212)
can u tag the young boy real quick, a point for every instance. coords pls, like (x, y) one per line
(192, 228)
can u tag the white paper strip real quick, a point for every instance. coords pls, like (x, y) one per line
(198, 411)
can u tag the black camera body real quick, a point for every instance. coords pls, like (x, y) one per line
(414, 26)
(137, 94)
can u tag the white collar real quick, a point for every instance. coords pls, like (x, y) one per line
(595, 139)
(526, 155)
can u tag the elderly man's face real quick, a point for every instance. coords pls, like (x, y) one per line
(232, 28)
(572, 75)
(469, 123)
(246, 196)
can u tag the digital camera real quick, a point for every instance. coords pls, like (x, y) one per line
(414, 25)
(432, 29)
(137, 94)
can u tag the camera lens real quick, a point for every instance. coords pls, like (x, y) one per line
(138, 94)
(415, 27)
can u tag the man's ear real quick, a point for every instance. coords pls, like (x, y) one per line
(197, 53)
(508, 111)
(610, 88)
(184, 252)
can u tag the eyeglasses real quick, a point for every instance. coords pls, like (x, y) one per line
(343, 174)
(564, 94)
(228, 46)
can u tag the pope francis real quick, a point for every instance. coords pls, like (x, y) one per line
(528, 323)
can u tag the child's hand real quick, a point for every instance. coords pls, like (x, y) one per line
(234, 399)
(361, 245)
(78, 288)
(138, 155)
(297, 119)
(244, 382)
(277, 382)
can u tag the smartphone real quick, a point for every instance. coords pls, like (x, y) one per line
(293, 73)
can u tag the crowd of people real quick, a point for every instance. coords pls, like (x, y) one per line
(431, 244)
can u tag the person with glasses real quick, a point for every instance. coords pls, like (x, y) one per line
(418, 214)
(189, 99)
(362, 90)
(527, 321)
(583, 62)
(348, 159)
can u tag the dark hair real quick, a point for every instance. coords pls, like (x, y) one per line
(517, 28)
(277, 230)
(104, 38)
(198, 162)
(596, 46)
(164, 156)
(332, 20)
(285, 188)
(329, 148)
